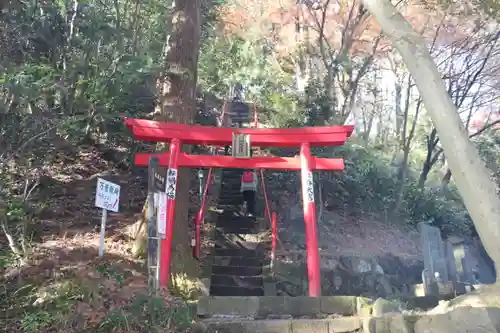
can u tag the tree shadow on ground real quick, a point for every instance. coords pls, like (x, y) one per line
(53, 263)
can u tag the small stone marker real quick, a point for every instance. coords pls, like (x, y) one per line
(450, 261)
(467, 266)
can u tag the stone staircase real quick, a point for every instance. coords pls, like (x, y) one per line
(238, 300)
(238, 258)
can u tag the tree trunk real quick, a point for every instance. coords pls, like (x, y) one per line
(177, 103)
(471, 175)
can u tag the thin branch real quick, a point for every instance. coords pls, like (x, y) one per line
(485, 128)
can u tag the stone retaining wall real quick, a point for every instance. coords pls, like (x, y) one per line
(295, 307)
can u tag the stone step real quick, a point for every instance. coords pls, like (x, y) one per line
(235, 217)
(239, 261)
(231, 189)
(228, 243)
(240, 325)
(263, 307)
(236, 270)
(230, 209)
(239, 230)
(232, 176)
(242, 221)
(259, 252)
(222, 290)
(237, 281)
(234, 201)
(231, 179)
(230, 199)
(232, 170)
(230, 195)
(230, 184)
(235, 253)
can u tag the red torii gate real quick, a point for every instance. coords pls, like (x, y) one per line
(305, 138)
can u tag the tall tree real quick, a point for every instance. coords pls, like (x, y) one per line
(177, 103)
(471, 176)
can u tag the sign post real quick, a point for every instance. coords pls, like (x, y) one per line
(107, 198)
(171, 188)
(156, 221)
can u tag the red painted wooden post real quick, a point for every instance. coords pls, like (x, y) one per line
(166, 244)
(313, 268)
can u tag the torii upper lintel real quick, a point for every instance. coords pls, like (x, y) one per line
(324, 136)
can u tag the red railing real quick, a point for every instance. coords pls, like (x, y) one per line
(200, 216)
(199, 219)
(273, 219)
(274, 235)
(263, 184)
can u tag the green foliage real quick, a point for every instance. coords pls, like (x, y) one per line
(36, 321)
(111, 273)
(488, 146)
(149, 313)
(368, 187)
(370, 183)
(82, 90)
(7, 260)
(16, 210)
(225, 61)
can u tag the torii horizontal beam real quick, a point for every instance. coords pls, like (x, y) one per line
(148, 130)
(215, 161)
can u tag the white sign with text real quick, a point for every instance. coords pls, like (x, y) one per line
(161, 222)
(107, 195)
(309, 193)
(171, 183)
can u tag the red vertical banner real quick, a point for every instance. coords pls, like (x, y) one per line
(171, 189)
(313, 263)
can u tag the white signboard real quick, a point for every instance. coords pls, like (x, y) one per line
(171, 183)
(161, 215)
(107, 195)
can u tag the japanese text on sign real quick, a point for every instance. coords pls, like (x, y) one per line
(310, 187)
(107, 195)
(171, 183)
